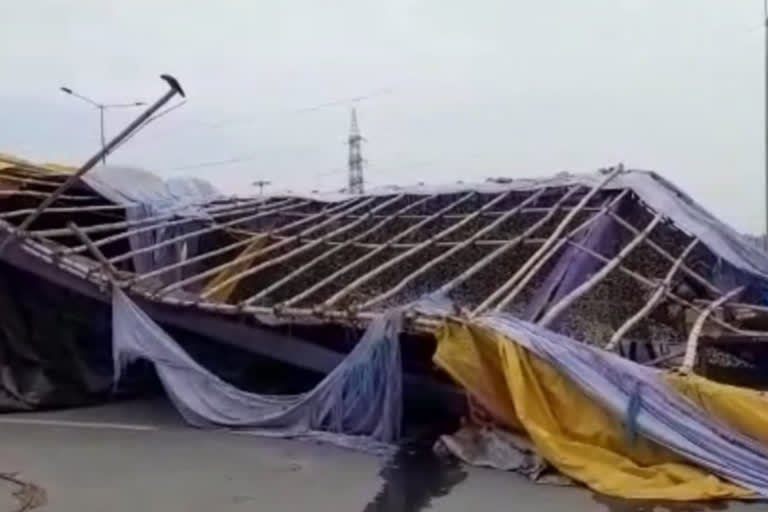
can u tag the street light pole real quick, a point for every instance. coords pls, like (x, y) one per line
(102, 107)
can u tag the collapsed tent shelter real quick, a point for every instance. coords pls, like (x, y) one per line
(620, 260)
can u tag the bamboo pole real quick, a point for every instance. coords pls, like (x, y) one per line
(373, 245)
(68, 209)
(193, 234)
(692, 344)
(351, 266)
(489, 213)
(743, 305)
(33, 193)
(655, 298)
(113, 226)
(299, 250)
(337, 246)
(5, 176)
(664, 358)
(235, 245)
(46, 254)
(406, 254)
(110, 269)
(277, 207)
(550, 241)
(344, 209)
(76, 268)
(524, 274)
(507, 245)
(672, 296)
(543, 260)
(665, 254)
(30, 169)
(578, 292)
(450, 252)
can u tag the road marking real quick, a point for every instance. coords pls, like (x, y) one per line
(77, 424)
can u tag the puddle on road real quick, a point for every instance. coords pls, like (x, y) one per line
(622, 505)
(413, 478)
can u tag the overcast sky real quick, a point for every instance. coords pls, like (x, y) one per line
(461, 90)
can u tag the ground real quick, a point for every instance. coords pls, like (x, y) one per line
(140, 456)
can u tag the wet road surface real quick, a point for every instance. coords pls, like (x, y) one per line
(139, 456)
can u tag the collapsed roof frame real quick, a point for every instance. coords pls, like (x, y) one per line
(307, 230)
(325, 229)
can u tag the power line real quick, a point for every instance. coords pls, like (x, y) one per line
(340, 102)
(150, 120)
(247, 157)
(253, 156)
(348, 101)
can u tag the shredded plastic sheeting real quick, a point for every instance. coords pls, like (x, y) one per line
(495, 448)
(357, 405)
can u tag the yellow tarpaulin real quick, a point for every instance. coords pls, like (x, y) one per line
(223, 293)
(745, 410)
(572, 432)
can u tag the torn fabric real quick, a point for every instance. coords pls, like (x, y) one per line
(492, 447)
(358, 404)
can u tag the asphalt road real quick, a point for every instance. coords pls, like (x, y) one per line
(139, 456)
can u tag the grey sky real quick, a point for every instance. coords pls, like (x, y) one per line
(484, 88)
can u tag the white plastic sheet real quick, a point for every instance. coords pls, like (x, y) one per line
(357, 405)
(146, 195)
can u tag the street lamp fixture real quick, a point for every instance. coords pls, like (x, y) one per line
(102, 108)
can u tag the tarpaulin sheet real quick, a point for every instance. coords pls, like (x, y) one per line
(50, 356)
(645, 402)
(571, 431)
(358, 404)
(744, 409)
(146, 195)
(223, 293)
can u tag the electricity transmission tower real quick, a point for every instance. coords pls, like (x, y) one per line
(355, 157)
